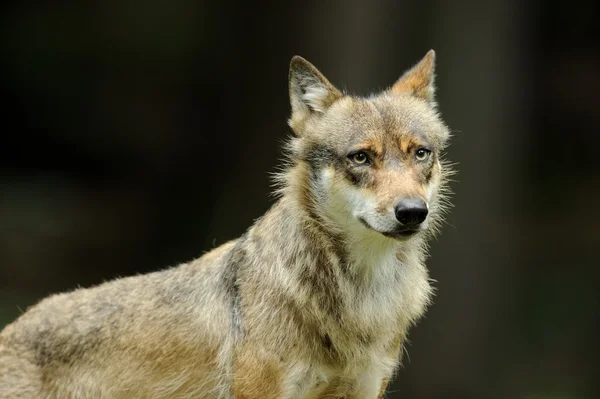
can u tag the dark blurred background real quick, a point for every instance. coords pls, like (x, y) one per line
(138, 134)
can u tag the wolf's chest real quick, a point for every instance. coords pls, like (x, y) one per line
(361, 379)
(397, 292)
(363, 349)
(374, 315)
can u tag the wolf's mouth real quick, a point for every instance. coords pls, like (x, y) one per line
(404, 233)
(399, 234)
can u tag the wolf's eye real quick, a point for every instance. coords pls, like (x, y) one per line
(422, 154)
(360, 158)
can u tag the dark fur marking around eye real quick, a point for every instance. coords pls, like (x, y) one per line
(351, 177)
(430, 166)
(319, 155)
(428, 175)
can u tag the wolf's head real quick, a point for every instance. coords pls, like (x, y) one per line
(368, 166)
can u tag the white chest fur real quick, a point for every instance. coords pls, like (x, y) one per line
(396, 285)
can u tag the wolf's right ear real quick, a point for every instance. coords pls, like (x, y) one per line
(419, 80)
(310, 91)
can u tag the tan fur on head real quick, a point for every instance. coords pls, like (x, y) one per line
(391, 125)
(314, 301)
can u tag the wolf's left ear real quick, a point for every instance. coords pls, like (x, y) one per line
(419, 80)
(310, 91)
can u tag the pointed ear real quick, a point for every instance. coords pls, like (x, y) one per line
(419, 80)
(310, 91)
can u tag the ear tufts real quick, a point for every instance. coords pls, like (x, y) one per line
(419, 80)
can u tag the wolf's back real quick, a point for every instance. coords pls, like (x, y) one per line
(162, 328)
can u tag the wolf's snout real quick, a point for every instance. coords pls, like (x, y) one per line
(411, 212)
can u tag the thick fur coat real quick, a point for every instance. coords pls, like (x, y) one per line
(314, 301)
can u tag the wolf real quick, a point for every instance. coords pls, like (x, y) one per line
(315, 300)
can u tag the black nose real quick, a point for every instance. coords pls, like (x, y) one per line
(411, 212)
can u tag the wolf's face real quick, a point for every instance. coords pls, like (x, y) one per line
(373, 164)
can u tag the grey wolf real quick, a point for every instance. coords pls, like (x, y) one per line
(315, 300)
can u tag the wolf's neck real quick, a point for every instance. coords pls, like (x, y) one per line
(334, 270)
(306, 240)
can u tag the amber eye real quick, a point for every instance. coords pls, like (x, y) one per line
(360, 158)
(422, 154)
